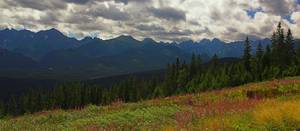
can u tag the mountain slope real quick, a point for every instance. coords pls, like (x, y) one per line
(33, 44)
(11, 60)
(122, 55)
(258, 106)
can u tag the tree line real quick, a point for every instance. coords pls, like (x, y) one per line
(280, 59)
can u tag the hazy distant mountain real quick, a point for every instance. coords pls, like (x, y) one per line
(222, 49)
(35, 45)
(58, 54)
(121, 55)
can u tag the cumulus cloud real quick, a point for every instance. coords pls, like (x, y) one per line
(279, 7)
(37, 4)
(166, 20)
(168, 13)
(110, 12)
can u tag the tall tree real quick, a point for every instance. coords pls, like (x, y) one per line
(267, 57)
(258, 62)
(281, 46)
(214, 61)
(193, 66)
(259, 51)
(290, 48)
(247, 55)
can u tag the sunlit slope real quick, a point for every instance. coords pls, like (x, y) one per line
(271, 105)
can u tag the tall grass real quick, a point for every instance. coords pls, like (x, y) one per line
(278, 115)
(273, 105)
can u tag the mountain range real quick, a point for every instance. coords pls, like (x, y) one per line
(51, 54)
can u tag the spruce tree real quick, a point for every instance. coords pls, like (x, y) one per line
(281, 47)
(258, 63)
(267, 57)
(259, 51)
(199, 64)
(214, 61)
(298, 58)
(193, 66)
(290, 50)
(247, 55)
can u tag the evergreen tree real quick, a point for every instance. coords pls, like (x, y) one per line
(247, 55)
(193, 66)
(258, 62)
(214, 61)
(2, 110)
(259, 52)
(298, 53)
(199, 64)
(298, 59)
(290, 50)
(281, 47)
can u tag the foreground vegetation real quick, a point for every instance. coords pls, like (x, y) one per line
(271, 105)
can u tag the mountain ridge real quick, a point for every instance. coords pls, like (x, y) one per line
(58, 54)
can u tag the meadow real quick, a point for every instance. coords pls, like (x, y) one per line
(270, 105)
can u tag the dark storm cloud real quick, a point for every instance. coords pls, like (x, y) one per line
(168, 13)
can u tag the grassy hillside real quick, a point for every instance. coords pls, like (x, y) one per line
(271, 105)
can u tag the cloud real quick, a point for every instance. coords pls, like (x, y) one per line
(151, 27)
(37, 4)
(168, 13)
(165, 20)
(296, 17)
(137, 1)
(111, 12)
(279, 7)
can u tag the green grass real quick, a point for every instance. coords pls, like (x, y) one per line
(271, 105)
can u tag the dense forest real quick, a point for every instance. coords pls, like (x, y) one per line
(280, 59)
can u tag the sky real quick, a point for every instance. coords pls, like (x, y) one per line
(162, 20)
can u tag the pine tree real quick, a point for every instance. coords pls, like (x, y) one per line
(193, 66)
(2, 110)
(12, 106)
(247, 55)
(266, 61)
(281, 47)
(214, 61)
(178, 64)
(199, 64)
(298, 53)
(259, 52)
(298, 58)
(258, 62)
(289, 57)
